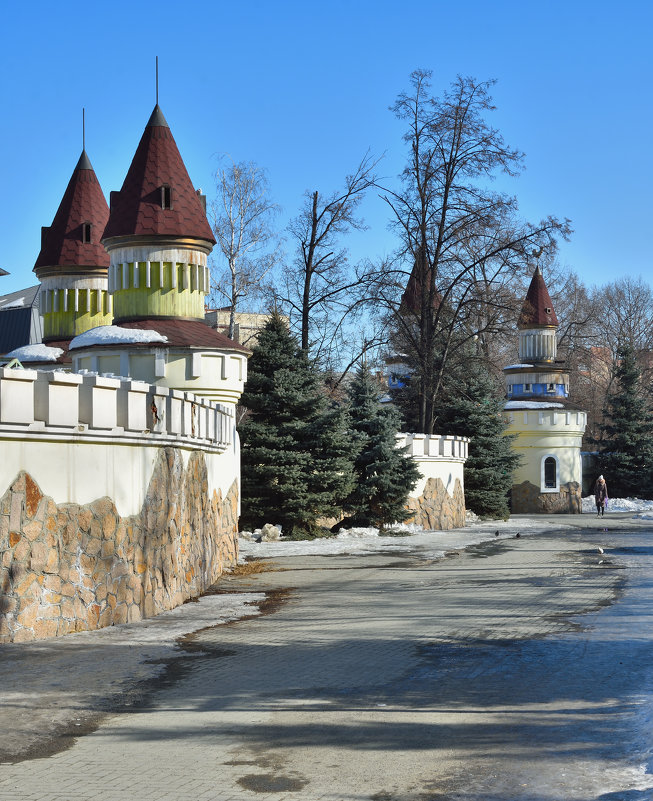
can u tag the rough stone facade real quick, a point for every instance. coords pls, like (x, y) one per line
(528, 499)
(436, 509)
(70, 567)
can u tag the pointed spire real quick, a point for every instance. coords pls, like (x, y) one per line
(411, 300)
(157, 118)
(157, 197)
(69, 242)
(538, 309)
(84, 162)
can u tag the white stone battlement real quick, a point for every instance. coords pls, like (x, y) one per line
(435, 446)
(75, 406)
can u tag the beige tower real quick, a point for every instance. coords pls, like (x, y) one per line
(549, 427)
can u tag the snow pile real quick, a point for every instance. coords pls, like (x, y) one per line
(114, 334)
(35, 353)
(516, 404)
(19, 303)
(622, 505)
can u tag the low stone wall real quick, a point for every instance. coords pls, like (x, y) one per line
(74, 567)
(436, 509)
(528, 499)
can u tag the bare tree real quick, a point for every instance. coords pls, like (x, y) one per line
(242, 220)
(461, 244)
(318, 286)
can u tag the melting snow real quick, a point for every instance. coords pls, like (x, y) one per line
(15, 304)
(35, 353)
(516, 404)
(433, 544)
(114, 334)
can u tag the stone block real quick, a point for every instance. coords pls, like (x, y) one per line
(44, 629)
(32, 530)
(120, 614)
(27, 617)
(84, 518)
(8, 604)
(108, 525)
(67, 609)
(23, 635)
(23, 549)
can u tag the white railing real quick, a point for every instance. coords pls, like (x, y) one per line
(72, 405)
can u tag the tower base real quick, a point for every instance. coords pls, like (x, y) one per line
(528, 499)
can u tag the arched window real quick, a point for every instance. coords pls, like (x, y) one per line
(549, 474)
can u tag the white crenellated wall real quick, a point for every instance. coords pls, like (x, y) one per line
(438, 456)
(82, 437)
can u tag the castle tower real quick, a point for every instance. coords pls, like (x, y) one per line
(158, 240)
(549, 427)
(72, 264)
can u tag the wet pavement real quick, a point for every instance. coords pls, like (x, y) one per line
(516, 670)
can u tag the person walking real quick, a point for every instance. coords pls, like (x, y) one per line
(600, 496)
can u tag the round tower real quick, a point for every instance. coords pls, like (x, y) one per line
(72, 263)
(549, 428)
(158, 240)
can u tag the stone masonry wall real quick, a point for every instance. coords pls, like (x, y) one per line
(436, 509)
(73, 567)
(528, 499)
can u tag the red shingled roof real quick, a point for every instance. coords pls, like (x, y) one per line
(137, 208)
(83, 202)
(180, 333)
(538, 308)
(411, 300)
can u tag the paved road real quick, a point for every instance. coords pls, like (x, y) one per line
(519, 670)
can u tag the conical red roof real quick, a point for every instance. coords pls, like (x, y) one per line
(138, 209)
(62, 244)
(411, 300)
(538, 308)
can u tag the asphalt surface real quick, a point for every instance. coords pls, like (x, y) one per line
(519, 670)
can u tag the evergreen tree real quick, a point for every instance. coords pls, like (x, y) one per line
(384, 474)
(476, 411)
(297, 453)
(627, 449)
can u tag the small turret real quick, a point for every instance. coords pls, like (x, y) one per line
(157, 235)
(537, 377)
(72, 264)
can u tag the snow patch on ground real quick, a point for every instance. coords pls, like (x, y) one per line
(432, 544)
(622, 505)
(114, 334)
(35, 353)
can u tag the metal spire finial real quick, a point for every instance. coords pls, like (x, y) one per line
(83, 128)
(157, 80)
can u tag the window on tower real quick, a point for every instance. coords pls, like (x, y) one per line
(166, 197)
(87, 229)
(550, 471)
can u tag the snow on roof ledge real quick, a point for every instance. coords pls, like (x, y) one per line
(516, 404)
(516, 366)
(35, 353)
(114, 335)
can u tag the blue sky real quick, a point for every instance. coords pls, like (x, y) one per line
(303, 90)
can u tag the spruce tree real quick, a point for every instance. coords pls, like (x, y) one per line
(476, 411)
(384, 474)
(627, 449)
(296, 452)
